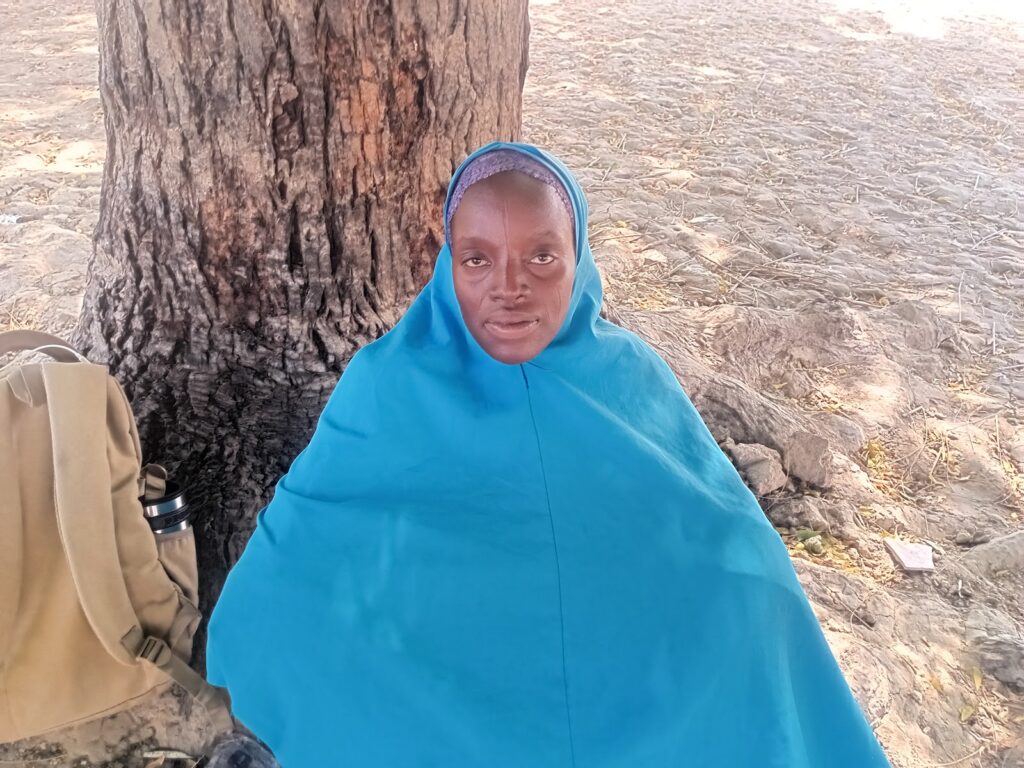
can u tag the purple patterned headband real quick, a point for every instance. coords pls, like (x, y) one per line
(499, 161)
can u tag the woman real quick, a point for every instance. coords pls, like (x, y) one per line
(512, 541)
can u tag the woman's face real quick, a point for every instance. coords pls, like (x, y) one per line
(513, 263)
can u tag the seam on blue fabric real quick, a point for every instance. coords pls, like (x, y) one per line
(558, 567)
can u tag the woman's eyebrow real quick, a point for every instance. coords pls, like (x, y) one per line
(471, 240)
(549, 234)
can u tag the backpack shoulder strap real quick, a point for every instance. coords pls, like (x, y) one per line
(76, 394)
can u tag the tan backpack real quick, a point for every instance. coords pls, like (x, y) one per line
(95, 611)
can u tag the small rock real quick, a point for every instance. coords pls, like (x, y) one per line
(849, 434)
(965, 539)
(760, 465)
(866, 617)
(815, 545)
(806, 456)
(799, 512)
(998, 644)
(796, 385)
(886, 523)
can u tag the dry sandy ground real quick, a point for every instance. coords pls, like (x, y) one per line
(51, 160)
(812, 208)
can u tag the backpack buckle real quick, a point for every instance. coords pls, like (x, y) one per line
(154, 650)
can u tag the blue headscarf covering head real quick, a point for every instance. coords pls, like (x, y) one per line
(545, 564)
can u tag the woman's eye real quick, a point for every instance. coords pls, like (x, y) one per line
(543, 258)
(475, 261)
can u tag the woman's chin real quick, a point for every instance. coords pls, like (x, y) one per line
(511, 356)
(513, 351)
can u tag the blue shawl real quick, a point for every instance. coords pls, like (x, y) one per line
(548, 564)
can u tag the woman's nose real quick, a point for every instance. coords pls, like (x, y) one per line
(509, 279)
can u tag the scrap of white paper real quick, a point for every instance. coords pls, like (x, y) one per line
(912, 558)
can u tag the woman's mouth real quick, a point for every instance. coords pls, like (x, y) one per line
(511, 329)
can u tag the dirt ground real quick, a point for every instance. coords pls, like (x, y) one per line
(812, 209)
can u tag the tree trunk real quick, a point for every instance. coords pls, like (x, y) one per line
(272, 199)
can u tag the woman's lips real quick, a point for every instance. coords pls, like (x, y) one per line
(511, 329)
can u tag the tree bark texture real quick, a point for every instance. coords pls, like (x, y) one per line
(272, 199)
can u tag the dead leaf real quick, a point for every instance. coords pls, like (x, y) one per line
(966, 712)
(977, 678)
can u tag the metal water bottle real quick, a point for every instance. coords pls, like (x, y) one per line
(164, 503)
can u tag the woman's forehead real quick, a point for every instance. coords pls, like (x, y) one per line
(512, 193)
(503, 176)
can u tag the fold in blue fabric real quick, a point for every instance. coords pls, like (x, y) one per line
(547, 564)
